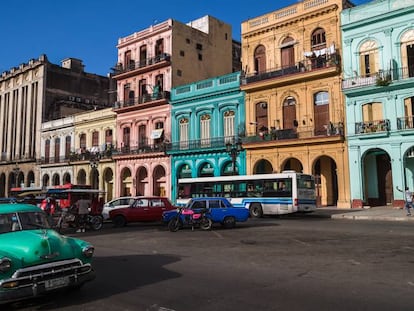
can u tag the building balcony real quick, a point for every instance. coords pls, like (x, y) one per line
(375, 126)
(197, 145)
(77, 157)
(378, 79)
(144, 101)
(308, 69)
(332, 129)
(139, 149)
(405, 123)
(122, 71)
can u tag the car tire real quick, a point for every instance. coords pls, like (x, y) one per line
(256, 210)
(119, 221)
(229, 222)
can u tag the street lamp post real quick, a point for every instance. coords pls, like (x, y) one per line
(16, 171)
(233, 149)
(94, 162)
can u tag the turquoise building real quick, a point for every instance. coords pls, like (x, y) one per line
(378, 85)
(207, 121)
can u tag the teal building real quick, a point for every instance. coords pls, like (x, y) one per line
(378, 85)
(207, 122)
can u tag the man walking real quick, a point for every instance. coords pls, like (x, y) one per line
(408, 199)
(83, 211)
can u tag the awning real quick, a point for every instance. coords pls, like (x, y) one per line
(155, 134)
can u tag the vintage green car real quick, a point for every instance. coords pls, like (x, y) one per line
(35, 259)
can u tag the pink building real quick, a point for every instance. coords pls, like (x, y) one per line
(150, 63)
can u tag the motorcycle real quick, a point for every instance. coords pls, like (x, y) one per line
(189, 217)
(69, 219)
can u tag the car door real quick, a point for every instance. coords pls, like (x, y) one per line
(139, 210)
(156, 208)
(218, 210)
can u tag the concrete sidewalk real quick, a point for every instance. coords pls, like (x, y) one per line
(382, 213)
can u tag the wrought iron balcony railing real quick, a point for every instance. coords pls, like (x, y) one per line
(404, 123)
(381, 78)
(308, 65)
(140, 149)
(133, 65)
(372, 126)
(142, 100)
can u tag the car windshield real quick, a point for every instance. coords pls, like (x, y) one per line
(23, 221)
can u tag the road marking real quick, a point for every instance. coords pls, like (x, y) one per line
(411, 283)
(218, 234)
(301, 242)
(354, 262)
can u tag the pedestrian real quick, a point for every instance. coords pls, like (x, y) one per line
(83, 211)
(408, 199)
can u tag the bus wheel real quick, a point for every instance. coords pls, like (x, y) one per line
(256, 210)
(119, 221)
(229, 222)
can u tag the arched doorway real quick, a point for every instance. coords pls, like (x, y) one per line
(326, 181)
(2, 185)
(108, 177)
(377, 177)
(159, 181)
(55, 180)
(263, 167)
(66, 178)
(81, 179)
(94, 178)
(30, 179)
(45, 180)
(292, 164)
(142, 181)
(126, 182)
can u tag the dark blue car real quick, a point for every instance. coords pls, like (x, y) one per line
(220, 211)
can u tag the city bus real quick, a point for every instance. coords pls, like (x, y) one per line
(263, 194)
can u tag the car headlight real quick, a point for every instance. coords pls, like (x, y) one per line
(88, 251)
(5, 264)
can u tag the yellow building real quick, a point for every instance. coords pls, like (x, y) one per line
(294, 106)
(95, 138)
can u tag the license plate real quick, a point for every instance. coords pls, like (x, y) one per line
(56, 283)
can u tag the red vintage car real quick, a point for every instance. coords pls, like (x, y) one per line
(143, 209)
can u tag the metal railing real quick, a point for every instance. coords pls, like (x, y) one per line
(304, 66)
(142, 99)
(372, 126)
(133, 65)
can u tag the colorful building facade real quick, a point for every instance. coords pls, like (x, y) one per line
(207, 117)
(378, 54)
(294, 105)
(150, 63)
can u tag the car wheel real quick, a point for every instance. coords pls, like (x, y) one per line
(229, 222)
(119, 221)
(96, 222)
(256, 210)
(174, 224)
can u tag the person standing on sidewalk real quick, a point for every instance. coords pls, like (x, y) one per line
(408, 199)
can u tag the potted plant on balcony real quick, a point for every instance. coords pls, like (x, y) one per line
(383, 80)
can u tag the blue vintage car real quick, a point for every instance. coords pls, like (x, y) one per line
(35, 259)
(220, 211)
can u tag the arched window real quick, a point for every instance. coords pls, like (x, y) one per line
(184, 133)
(260, 59)
(47, 150)
(289, 113)
(321, 112)
(318, 40)
(407, 53)
(205, 123)
(68, 141)
(229, 120)
(288, 52)
(368, 59)
(57, 149)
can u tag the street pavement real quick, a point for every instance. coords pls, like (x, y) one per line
(379, 213)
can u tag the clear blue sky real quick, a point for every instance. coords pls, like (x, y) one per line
(89, 29)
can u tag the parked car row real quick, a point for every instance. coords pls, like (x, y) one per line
(153, 209)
